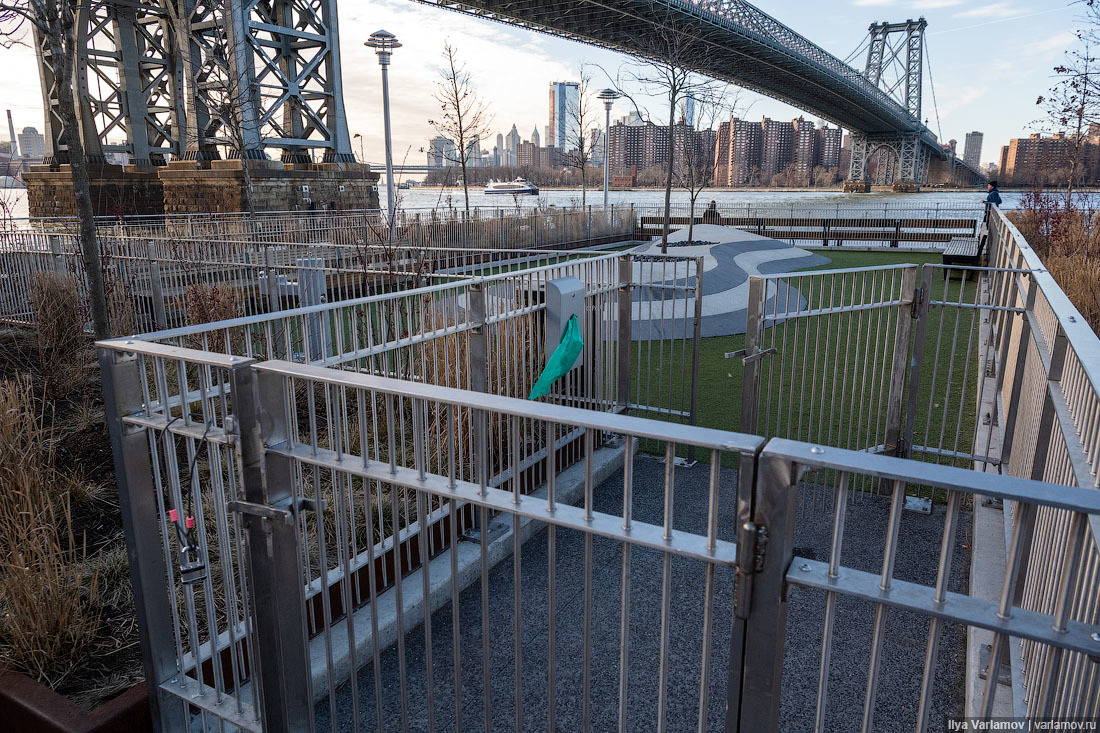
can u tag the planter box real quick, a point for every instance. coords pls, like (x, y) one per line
(29, 707)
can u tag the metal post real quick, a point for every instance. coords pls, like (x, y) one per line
(916, 361)
(156, 287)
(626, 316)
(696, 345)
(57, 259)
(390, 199)
(271, 541)
(749, 394)
(606, 152)
(756, 654)
(893, 439)
(311, 291)
(141, 524)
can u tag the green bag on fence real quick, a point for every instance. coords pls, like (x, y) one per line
(561, 361)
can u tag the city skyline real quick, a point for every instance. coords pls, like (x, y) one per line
(511, 67)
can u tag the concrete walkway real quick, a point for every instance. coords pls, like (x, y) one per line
(727, 265)
(866, 527)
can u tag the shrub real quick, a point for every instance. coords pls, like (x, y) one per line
(64, 355)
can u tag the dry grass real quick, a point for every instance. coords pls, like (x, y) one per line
(65, 361)
(1068, 241)
(49, 614)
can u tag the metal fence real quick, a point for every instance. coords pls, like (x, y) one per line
(377, 432)
(170, 281)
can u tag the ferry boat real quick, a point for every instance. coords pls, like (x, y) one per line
(516, 187)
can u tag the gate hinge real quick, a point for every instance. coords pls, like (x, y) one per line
(918, 302)
(752, 541)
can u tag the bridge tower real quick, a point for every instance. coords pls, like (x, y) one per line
(895, 61)
(182, 80)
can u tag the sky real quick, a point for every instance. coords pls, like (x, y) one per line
(989, 62)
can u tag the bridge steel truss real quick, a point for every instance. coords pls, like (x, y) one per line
(180, 77)
(734, 41)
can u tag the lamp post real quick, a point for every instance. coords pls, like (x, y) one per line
(608, 96)
(383, 43)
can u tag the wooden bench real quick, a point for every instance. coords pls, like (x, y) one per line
(830, 229)
(964, 252)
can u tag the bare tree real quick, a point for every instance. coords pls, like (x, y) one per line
(580, 122)
(1072, 104)
(663, 68)
(464, 116)
(54, 24)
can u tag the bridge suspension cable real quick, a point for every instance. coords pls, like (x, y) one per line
(932, 87)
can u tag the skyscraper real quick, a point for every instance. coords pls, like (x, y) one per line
(32, 144)
(564, 98)
(972, 149)
(535, 136)
(805, 153)
(830, 141)
(778, 140)
(744, 151)
(722, 156)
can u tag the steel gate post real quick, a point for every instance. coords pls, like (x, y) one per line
(626, 317)
(760, 624)
(753, 317)
(150, 577)
(274, 571)
(893, 438)
(696, 346)
(916, 360)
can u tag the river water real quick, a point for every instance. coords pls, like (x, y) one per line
(421, 198)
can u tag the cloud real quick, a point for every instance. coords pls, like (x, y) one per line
(871, 3)
(1051, 45)
(1002, 9)
(934, 4)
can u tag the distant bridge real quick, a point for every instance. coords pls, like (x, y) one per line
(138, 59)
(733, 41)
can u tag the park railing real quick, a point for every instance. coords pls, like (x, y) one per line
(909, 225)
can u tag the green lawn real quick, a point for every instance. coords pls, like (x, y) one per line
(829, 381)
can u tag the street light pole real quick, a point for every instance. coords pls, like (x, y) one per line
(384, 42)
(608, 96)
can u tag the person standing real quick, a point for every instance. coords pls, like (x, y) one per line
(993, 196)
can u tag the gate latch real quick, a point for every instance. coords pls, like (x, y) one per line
(755, 356)
(282, 511)
(752, 542)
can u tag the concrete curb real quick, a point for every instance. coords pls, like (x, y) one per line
(569, 490)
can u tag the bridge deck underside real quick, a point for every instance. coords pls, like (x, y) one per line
(726, 51)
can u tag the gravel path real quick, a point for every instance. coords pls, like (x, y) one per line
(866, 523)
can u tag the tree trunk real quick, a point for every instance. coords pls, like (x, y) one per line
(691, 217)
(465, 185)
(584, 188)
(62, 39)
(668, 176)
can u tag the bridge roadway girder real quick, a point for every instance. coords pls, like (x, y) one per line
(737, 42)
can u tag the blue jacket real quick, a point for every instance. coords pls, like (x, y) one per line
(993, 198)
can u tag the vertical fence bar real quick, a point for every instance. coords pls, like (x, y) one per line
(626, 316)
(272, 557)
(149, 574)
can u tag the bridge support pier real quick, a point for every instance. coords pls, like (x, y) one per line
(905, 157)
